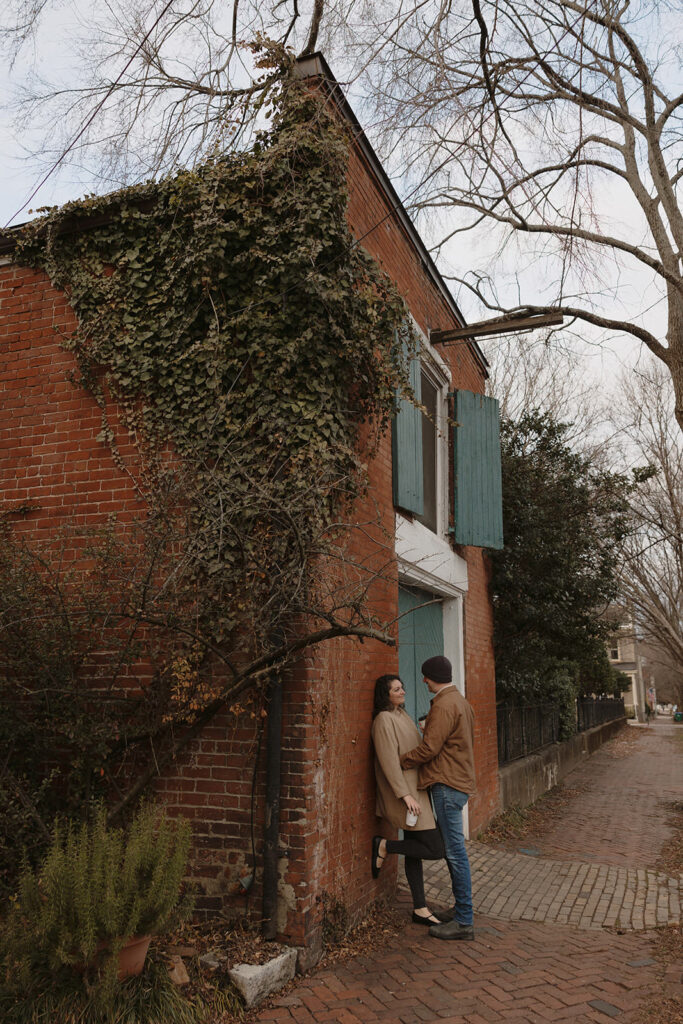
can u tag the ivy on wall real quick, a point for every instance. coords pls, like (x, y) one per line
(229, 310)
(250, 344)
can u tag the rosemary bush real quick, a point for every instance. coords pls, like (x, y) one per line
(97, 887)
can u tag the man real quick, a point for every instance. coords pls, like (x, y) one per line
(445, 761)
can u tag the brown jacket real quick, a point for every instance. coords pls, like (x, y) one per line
(394, 732)
(446, 753)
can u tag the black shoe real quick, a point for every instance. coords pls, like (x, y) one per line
(418, 919)
(452, 930)
(376, 840)
(444, 915)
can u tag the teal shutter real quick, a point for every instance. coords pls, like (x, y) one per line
(406, 447)
(478, 485)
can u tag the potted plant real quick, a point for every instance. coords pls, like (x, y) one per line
(99, 891)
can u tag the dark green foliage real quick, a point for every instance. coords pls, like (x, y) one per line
(231, 313)
(96, 888)
(151, 998)
(231, 305)
(598, 676)
(564, 519)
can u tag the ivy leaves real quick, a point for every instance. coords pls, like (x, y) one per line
(232, 315)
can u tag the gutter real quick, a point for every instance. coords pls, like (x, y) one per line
(271, 829)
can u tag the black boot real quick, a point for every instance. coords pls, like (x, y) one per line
(452, 930)
(444, 915)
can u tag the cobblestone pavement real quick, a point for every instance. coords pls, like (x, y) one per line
(542, 951)
(514, 887)
(576, 873)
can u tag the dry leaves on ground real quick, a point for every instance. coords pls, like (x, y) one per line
(529, 822)
(382, 924)
(623, 744)
(207, 952)
(228, 944)
(534, 821)
(670, 859)
(663, 1004)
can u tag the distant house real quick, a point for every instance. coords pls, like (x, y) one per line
(624, 652)
(436, 482)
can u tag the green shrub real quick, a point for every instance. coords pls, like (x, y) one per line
(96, 888)
(151, 998)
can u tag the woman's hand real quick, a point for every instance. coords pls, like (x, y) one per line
(412, 805)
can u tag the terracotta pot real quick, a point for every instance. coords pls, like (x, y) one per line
(131, 959)
(132, 956)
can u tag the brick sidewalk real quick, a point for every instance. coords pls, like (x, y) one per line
(591, 870)
(517, 974)
(540, 953)
(620, 817)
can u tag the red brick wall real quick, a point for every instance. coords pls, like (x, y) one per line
(49, 455)
(332, 708)
(52, 462)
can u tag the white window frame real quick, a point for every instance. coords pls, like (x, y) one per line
(438, 372)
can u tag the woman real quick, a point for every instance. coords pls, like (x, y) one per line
(393, 734)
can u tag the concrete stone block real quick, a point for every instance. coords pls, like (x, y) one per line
(256, 981)
(177, 971)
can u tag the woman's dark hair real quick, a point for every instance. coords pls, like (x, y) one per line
(382, 702)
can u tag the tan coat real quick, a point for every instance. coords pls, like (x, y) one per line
(394, 733)
(446, 752)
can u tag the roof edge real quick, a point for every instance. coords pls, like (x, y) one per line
(314, 65)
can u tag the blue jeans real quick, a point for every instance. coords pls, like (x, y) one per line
(448, 804)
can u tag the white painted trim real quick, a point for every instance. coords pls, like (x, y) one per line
(435, 360)
(434, 366)
(453, 636)
(428, 560)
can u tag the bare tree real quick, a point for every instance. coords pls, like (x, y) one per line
(652, 576)
(551, 129)
(152, 85)
(528, 373)
(665, 673)
(548, 129)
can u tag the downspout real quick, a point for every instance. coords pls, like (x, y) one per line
(271, 830)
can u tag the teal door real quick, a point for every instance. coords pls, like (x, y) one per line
(420, 636)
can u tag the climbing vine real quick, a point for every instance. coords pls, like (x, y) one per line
(249, 344)
(229, 311)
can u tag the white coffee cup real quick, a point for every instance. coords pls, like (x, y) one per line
(411, 819)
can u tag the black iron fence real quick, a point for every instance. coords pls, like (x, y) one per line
(524, 730)
(521, 731)
(598, 710)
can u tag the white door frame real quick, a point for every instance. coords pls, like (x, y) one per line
(428, 562)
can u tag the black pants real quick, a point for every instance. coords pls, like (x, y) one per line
(416, 847)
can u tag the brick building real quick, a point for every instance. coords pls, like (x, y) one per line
(437, 491)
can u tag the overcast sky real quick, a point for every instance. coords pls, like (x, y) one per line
(19, 177)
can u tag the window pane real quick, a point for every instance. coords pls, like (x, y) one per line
(429, 456)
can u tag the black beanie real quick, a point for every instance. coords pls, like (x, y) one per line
(438, 669)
